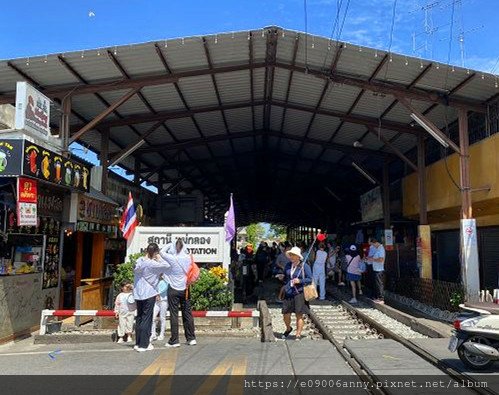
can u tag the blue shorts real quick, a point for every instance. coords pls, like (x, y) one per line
(353, 277)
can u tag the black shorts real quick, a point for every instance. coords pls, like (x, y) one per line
(297, 305)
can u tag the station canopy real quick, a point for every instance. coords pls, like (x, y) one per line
(276, 117)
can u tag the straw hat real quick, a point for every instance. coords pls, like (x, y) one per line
(294, 251)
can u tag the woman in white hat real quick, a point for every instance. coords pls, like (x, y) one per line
(296, 276)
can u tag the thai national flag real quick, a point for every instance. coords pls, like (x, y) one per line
(129, 219)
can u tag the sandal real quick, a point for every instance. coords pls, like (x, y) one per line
(286, 333)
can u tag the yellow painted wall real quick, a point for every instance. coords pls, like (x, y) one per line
(444, 198)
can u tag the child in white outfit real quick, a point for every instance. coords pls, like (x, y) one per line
(125, 309)
(160, 307)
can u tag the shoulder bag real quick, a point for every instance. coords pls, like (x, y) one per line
(309, 291)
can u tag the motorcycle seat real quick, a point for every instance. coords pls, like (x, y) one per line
(488, 306)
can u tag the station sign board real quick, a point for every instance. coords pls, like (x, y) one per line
(206, 244)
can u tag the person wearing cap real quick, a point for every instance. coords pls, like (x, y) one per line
(376, 258)
(354, 274)
(297, 274)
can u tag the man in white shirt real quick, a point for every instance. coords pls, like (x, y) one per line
(176, 275)
(376, 258)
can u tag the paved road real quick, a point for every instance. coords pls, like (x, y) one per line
(109, 368)
(197, 369)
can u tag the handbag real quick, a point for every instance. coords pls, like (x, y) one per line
(309, 291)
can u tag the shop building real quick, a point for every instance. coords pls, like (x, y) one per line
(36, 183)
(90, 247)
(444, 207)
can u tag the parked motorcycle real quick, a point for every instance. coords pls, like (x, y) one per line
(476, 335)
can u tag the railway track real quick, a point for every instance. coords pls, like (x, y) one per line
(341, 321)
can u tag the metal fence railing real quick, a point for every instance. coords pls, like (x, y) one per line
(431, 292)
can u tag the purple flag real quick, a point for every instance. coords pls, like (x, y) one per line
(230, 222)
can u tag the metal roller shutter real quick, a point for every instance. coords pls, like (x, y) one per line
(446, 265)
(489, 257)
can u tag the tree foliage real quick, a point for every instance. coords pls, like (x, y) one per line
(255, 233)
(124, 271)
(278, 232)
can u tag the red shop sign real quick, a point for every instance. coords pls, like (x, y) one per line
(27, 190)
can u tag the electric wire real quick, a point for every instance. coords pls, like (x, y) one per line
(449, 52)
(306, 34)
(390, 43)
(335, 24)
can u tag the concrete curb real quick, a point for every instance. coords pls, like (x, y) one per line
(110, 337)
(267, 331)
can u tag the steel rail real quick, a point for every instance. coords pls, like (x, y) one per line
(388, 333)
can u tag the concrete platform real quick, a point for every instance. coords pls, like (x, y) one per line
(438, 348)
(386, 359)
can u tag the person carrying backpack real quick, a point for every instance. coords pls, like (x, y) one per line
(180, 273)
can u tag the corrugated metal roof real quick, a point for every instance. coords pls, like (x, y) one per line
(196, 93)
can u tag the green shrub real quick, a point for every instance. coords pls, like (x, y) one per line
(456, 298)
(210, 292)
(124, 271)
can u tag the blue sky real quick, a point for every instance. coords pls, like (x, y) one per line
(35, 28)
(32, 28)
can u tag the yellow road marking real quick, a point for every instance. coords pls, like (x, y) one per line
(164, 366)
(390, 357)
(235, 386)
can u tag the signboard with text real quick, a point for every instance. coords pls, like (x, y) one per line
(27, 197)
(10, 157)
(207, 245)
(388, 239)
(46, 165)
(371, 205)
(32, 111)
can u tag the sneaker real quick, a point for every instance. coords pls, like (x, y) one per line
(286, 334)
(360, 292)
(174, 345)
(353, 300)
(379, 301)
(136, 347)
(129, 339)
(150, 347)
(342, 283)
(154, 337)
(161, 338)
(192, 342)
(120, 340)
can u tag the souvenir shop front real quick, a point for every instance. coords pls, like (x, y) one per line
(90, 249)
(35, 190)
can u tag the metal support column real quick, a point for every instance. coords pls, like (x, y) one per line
(386, 194)
(423, 245)
(423, 210)
(65, 124)
(468, 232)
(104, 158)
(136, 171)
